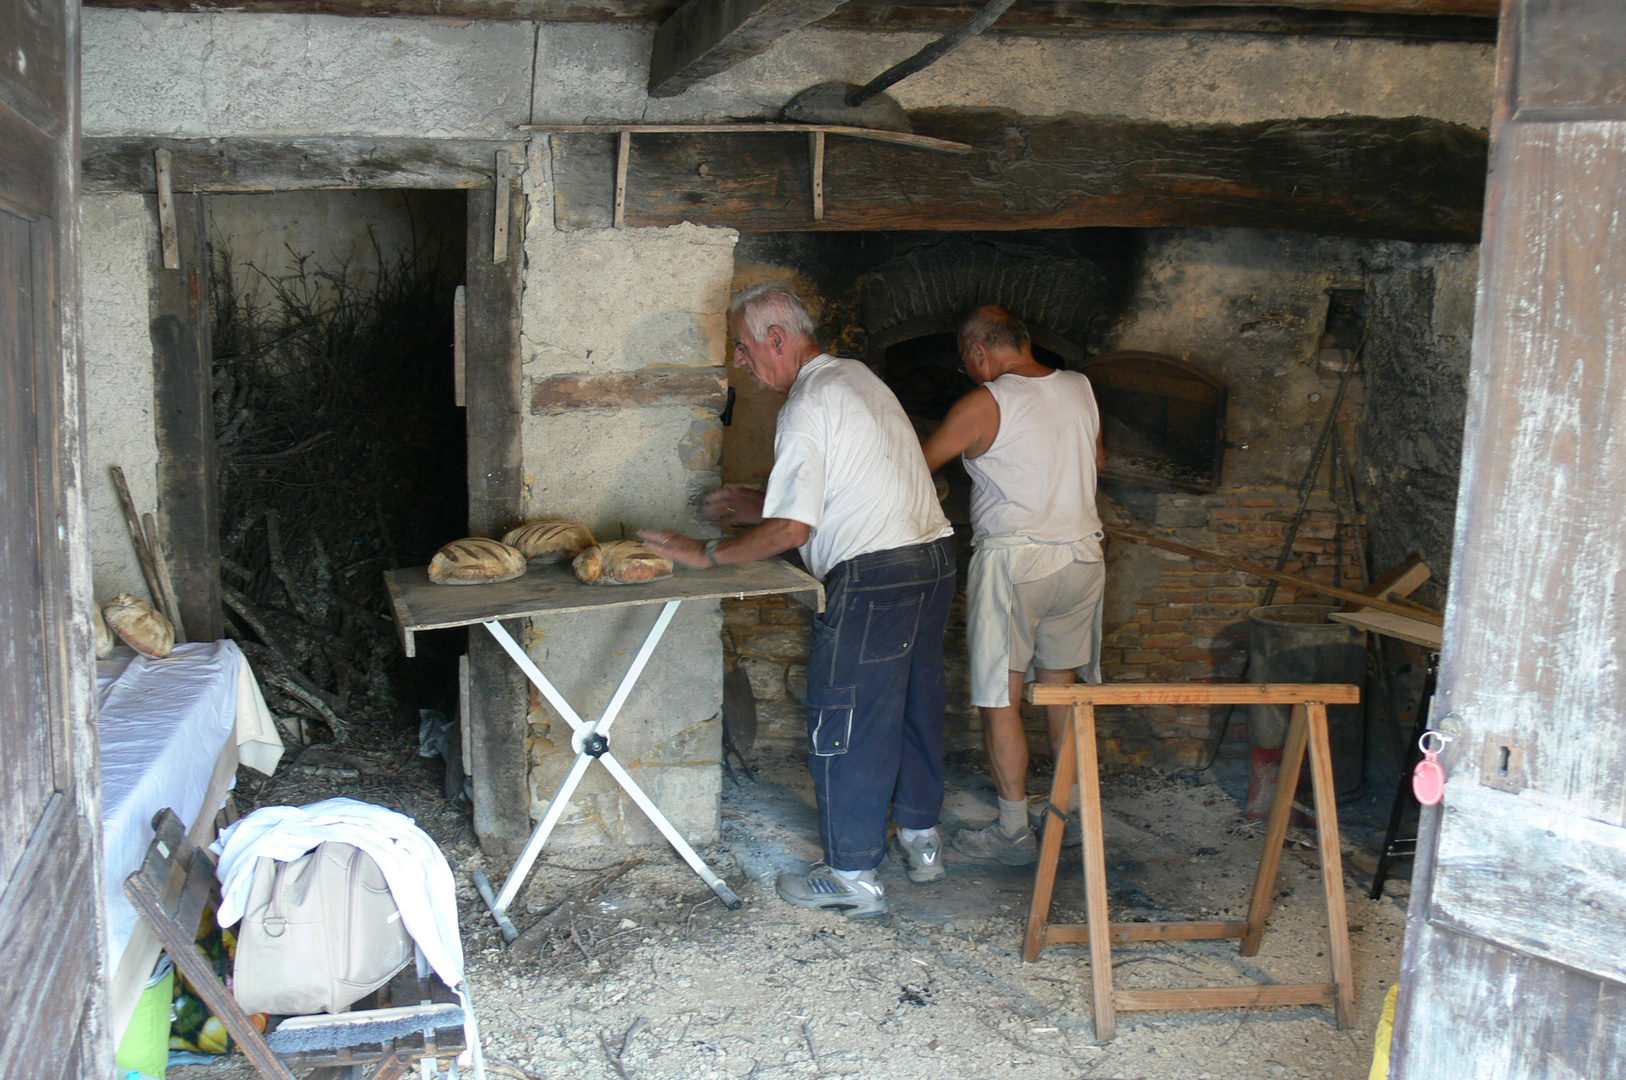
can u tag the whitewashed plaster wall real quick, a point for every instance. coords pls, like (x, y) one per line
(116, 232)
(222, 74)
(598, 302)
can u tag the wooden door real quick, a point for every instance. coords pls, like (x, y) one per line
(1515, 959)
(50, 876)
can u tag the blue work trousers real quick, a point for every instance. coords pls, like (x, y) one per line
(875, 698)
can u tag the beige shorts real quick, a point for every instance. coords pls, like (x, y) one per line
(1053, 619)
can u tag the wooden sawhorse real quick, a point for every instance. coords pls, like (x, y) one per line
(1307, 728)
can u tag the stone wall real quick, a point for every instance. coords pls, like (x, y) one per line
(599, 304)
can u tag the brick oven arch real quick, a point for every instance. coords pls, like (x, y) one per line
(1061, 296)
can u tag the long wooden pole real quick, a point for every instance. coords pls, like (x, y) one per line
(1346, 595)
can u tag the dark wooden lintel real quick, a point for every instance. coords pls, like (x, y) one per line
(223, 165)
(1405, 20)
(699, 388)
(1406, 179)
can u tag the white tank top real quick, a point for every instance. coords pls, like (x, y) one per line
(1037, 480)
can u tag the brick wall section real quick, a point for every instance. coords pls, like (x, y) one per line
(1189, 625)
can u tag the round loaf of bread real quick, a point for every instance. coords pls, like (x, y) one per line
(620, 562)
(549, 541)
(142, 626)
(475, 560)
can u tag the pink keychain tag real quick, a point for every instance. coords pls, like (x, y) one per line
(1428, 780)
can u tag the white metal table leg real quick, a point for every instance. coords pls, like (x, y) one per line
(587, 736)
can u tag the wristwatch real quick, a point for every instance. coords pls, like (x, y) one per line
(711, 551)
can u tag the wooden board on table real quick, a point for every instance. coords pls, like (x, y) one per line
(420, 604)
(1415, 631)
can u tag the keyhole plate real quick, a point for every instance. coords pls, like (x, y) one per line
(1501, 764)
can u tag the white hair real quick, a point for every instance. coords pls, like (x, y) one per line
(767, 305)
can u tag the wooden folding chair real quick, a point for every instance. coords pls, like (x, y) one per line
(1308, 728)
(174, 886)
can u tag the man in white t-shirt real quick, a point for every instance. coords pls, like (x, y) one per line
(1030, 437)
(850, 488)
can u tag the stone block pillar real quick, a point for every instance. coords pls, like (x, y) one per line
(624, 336)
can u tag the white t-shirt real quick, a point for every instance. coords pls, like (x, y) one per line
(848, 464)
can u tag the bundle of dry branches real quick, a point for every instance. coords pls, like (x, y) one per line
(340, 456)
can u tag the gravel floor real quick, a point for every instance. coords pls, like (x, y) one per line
(650, 977)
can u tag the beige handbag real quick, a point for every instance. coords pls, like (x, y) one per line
(318, 933)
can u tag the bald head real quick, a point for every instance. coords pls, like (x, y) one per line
(995, 329)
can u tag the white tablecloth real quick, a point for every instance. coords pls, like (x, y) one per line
(164, 724)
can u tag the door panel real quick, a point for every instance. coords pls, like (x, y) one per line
(51, 995)
(1513, 963)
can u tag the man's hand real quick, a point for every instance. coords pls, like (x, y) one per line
(734, 506)
(677, 547)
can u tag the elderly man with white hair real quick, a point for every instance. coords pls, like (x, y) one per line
(850, 488)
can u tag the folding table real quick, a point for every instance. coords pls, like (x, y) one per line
(419, 604)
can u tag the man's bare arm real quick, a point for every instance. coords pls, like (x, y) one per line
(969, 429)
(770, 538)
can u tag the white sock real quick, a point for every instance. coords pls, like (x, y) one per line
(1013, 816)
(909, 836)
(856, 875)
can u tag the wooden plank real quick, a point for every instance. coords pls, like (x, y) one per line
(166, 210)
(125, 164)
(1403, 580)
(419, 604)
(166, 585)
(815, 148)
(1415, 631)
(1348, 595)
(505, 193)
(38, 73)
(138, 538)
(1225, 997)
(1073, 933)
(25, 167)
(696, 387)
(183, 406)
(1082, 719)
(623, 151)
(492, 389)
(1281, 811)
(1402, 20)
(1409, 179)
(1569, 61)
(460, 346)
(704, 37)
(1044, 874)
(49, 901)
(1332, 862)
(1542, 882)
(777, 127)
(1192, 693)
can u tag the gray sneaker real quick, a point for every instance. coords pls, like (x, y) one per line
(922, 859)
(992, 843)
(822, 887)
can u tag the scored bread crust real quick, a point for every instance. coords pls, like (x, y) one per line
(621, 562)
(549, 541)
(142, 626)
(475, 560)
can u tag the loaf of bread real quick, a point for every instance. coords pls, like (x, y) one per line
(104, 636)
(475, 560)
(620, 562)
(549, 541)
(142, 626)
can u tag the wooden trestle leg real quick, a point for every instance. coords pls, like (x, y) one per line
(1307, 732)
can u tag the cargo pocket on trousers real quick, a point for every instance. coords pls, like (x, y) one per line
(830, 719)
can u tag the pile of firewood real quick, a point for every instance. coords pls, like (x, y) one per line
(340, 456)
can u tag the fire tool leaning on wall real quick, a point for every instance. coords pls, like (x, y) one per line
(1030, 437)
(850, 489)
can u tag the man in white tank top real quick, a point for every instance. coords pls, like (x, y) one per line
(1030, 437)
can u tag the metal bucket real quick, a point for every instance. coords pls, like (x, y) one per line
(1297, 643)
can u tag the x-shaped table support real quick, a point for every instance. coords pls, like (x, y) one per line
(591, 741)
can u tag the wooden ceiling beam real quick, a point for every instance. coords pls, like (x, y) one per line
(1407, 20)
(704, 37)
